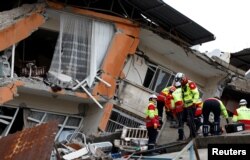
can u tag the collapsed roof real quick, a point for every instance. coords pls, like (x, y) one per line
(155, 15)
(241, 59)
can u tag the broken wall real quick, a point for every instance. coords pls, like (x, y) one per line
(92, 118)
(19, 23)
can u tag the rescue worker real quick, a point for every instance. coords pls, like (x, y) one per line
(198, 115)
(215, 106)
(242, 114)
(169, 104)
(152, 121)
(165, 98)
(191, 96)
(178, 109)
(160, 106)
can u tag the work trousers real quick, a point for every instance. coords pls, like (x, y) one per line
(179, 116)
(170, 116)
(214, 107)
(190, 120)
(160, 107)
(187, 115)
(152, 135)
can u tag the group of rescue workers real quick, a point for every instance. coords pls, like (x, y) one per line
(182, 102)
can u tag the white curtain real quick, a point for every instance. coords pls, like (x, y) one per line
(102, 34)
(81, 46)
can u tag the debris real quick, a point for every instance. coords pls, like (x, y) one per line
(132, 139)
(30, 143)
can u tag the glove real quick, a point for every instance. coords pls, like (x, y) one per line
(198, 112)
(227, 120)
(155, 126)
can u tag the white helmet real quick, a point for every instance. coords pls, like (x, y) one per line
(153, 96)
(179, 76)
(243, 102)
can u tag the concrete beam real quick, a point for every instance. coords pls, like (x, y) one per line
(9, 91)
(233, 138)
(19, 23)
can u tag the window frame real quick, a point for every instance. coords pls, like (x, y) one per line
(161, 70)
(12, 118)
(61, 126)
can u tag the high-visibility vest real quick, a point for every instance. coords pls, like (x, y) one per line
(178, 100)
(165, 91)
(169, 102)
(151, 115)
(166, 97)
(163, 94)
(198, 108)
(191, 94)
(242, 115)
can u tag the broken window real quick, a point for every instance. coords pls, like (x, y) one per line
(7, 118)
(74, 51)
(34, 54)
(68, 124)
(157, 78)
(119, 119)
(81, 47)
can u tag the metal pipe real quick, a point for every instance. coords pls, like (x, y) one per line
(11, 123)
(106, 83)
(12, 60)
(79, 84)
(89, 94)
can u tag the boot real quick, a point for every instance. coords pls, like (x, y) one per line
(181, 134)
(205, 130)
(151, 146)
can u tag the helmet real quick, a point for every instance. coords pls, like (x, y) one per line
(243, 102)
(180, 77)
(153, 96)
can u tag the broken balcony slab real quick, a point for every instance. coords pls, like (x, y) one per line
(38, 87)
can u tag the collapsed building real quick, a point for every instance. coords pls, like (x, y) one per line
(92, 64)
(238, 88)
